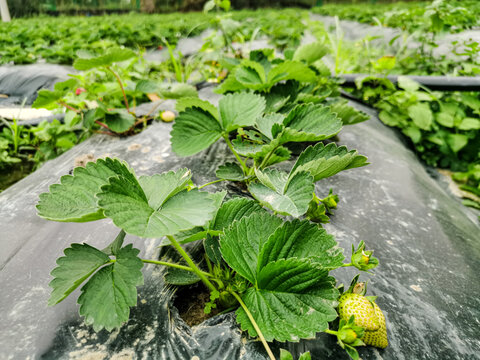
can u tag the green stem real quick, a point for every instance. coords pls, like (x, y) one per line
(190, 262)
(177, 266)
(227, 140)
(332, 332)
(254, 323)
(347, 265)
(121, 87)
(266, 158)
(210, 183)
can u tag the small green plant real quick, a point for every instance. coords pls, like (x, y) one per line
(99, 103)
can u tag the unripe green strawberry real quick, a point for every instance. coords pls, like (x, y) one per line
(361, 308)
(377, 338)
(167, 116)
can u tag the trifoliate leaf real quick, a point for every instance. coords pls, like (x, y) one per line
(287, 196)
(80, 261)
(293, 299)
(193, 131)
(241, 109)
(242, 241)
(74, 198)
(108, 295)
(421, 115)
(155, 206)
(348, 114)
(302, 239)
(230, 171)
(109, 57)
(324, 161)
(310, 122)
(309, 53)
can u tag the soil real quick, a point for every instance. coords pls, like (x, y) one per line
(190, 302)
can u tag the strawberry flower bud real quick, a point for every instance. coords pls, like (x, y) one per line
(362, 259)
(348, 336)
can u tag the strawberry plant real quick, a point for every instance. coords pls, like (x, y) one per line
(257, 262)
(278, 266)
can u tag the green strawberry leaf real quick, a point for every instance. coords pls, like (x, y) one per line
(309, 53)
(247, 148)
(230, 171)
(310, 122)
(108, 295)
(294, 298)
(243, 240)
(250, 74)
(281, 193)
(290, 70)
(348, 114)
(234, 209)
(265, 124)
(191, 102)
(48, 99)
(285, 355)
(109, 57)
(154, 206)
(74, 198)
(241, 109)
(119, 120)
(301, 239)
(80, 261)
(194, 130)
(324, 161)
(231, 84)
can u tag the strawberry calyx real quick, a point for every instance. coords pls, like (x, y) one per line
(349, 336)
(362, 259)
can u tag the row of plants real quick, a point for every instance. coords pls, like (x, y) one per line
(437, 15)
(443, 127)
(57, 40)
(256, 262)
(104, 94)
